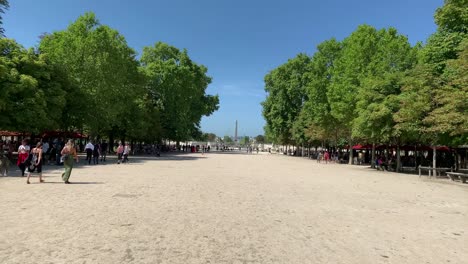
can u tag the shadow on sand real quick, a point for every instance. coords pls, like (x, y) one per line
(61, 182)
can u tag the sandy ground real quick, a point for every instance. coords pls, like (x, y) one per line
(232, 208)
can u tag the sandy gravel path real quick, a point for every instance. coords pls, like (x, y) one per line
(232, 208)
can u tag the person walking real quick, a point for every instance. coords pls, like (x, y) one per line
(89, 148)
(36, 162)
(45, 152)
(96, 153)
(68, 154)
(103, 151)
(23, 155)
(326, 156)
(120, 150)
(126, 152)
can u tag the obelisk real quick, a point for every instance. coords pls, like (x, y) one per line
(235, 134)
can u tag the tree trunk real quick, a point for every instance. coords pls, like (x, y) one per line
(434, 158)
(111, 143)
(398, 159)
(351, 161)
(416, 157)
(302, 150)
(373, 156)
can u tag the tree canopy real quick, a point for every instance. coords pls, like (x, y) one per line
(374, 87)
(87, 78)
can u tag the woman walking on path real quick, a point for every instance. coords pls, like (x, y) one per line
(68, 154)
(36, 162)
(23, 154)
(120, 151)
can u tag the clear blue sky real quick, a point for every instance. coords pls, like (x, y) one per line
(239, 41)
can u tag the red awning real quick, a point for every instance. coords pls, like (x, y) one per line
(359, 146)
(13, 133)
(66, 134)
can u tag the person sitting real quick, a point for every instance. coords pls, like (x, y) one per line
(382, 164)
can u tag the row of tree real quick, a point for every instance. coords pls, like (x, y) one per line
(374, 87)
(87, 78)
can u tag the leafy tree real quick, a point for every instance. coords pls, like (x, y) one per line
(228, 140)
(244, 141)
(377, 97)
(3, 6)
(433, 98)
(176, 88)
(315, 122)
(260, 139)
(103, 69)
(434, 92)
(358, 52)
(450, 114)
(285, 86)
(453, 16)
(211, 137)
(33, 90)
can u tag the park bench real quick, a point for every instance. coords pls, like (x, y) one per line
(430, 169)
(455, 175)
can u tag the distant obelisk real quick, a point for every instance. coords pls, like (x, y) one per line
(235, 133)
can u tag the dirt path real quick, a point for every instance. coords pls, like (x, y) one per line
(232, 208)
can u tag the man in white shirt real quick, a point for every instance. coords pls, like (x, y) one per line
(125, 153)
(89, 151)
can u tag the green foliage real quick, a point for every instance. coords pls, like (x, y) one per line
(441, 47)
(359, 50)
(260, 139)
(450, 114)
(33, 90)
(377, 95)
(374, 87)
(244, 141)
(103, 68)
(227, 140)
(286, 88)
(176, 90)
(209, 137)
(315, 117)
(434, 95)
(453, 16)
(87, 77)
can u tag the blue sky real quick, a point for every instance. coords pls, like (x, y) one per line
(239, 41)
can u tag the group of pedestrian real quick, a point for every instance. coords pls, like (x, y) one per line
(323, 156)
(30, 161)
(96, 152)
(123, 150)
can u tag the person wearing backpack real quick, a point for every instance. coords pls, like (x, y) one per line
(36, 162)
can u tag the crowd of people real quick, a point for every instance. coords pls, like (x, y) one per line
(30, 160)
